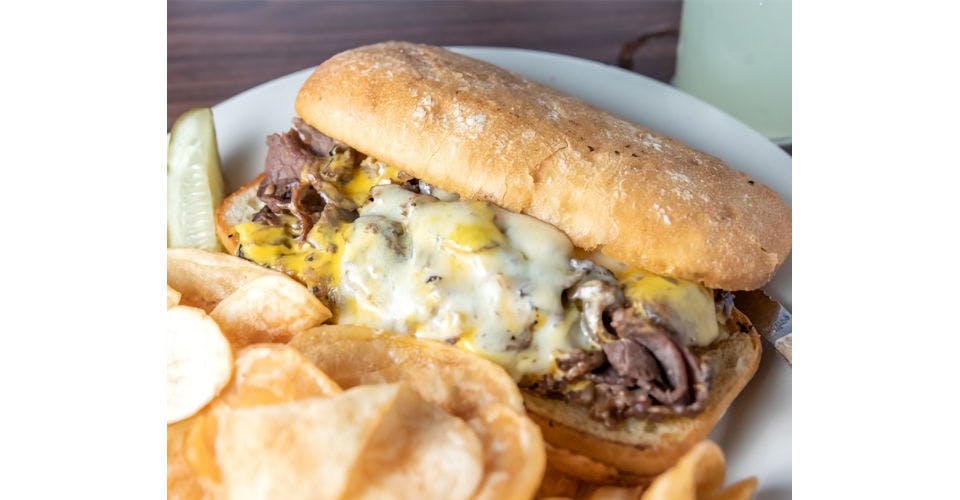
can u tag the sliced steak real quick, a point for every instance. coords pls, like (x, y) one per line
(321, 144)
(643, 372)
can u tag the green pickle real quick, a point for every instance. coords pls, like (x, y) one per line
(194, 182)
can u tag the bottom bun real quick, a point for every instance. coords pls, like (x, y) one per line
(239, 206)
(638, 449)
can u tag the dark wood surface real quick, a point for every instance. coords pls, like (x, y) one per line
(216, 49)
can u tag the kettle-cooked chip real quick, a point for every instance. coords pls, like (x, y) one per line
(513, 452)
(418, 451)
(275, 373)
(301, 449)
(264, 374)
(182, 481)
(205, 278)
(199, 361)
(173, 297)
(268, 309)
(741, 490)
(459, 382)
(368, 442)
(464, 385)
(698, 474)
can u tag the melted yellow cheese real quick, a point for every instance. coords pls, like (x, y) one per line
(316, 262)
(687, 308)
(467, 272)
(371, 173)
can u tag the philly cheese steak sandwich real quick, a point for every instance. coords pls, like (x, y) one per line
(424, 193)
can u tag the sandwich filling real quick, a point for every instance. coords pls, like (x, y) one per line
(388, 251)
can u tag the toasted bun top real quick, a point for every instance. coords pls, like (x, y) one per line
(611, 186)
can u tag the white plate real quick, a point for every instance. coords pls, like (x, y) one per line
(756, 432)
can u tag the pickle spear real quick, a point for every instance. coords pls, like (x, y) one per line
(194, 182)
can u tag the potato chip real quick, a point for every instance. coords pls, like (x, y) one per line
(514, 455)
(418, 451)
(263, 374)
(367, 442)
(173, 297)
(741, 490)
(301, 449)
(268, 309)
(199, 361)
(275, 373)
(182, 482)
(205, 278)
(698, 475)
(461, 383)
(464, 385)
(198, 448)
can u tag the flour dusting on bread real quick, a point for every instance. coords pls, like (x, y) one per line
(489, 134)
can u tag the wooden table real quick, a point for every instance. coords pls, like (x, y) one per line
(216, 49)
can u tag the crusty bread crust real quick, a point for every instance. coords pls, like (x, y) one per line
(239, 207)
(475, 129)
(642, 448)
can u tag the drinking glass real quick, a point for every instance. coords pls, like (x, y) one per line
(736, 55)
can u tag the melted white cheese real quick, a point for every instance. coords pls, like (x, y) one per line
(467, 272)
